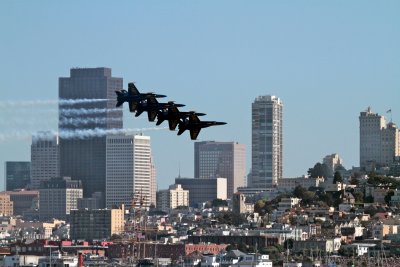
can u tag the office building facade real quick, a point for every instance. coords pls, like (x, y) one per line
(45, 158)
(267, 142)
(221, 159)
(203, 190)
(58, 196)
(128, 170)
(17, 174)
(83, 126)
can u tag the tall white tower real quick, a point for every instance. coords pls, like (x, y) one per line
(128, 170)
(267, 142)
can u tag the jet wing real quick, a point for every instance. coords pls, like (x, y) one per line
(132, 106)
(194, 133)
(172, 124)
(193, 118)
(152, 114)
(132, 89)
(152, 100)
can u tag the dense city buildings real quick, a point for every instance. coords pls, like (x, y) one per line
(129, 170)
(98, 224)
(44, 158)
(17, 174)
(379, 142)
(58, 196)
(267, 142)
(83, 157)
(173, 197)
(24, 200)
(221, 159)
(203, 190)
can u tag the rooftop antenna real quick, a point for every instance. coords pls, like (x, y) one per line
(179, 170)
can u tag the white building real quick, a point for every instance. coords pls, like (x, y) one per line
(332, 161)
(379, 143)
(45, 153)
(128, 170)
(153, 183)
(267, 142)
(172, 198)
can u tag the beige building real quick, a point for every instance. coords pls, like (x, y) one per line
(153, 183)
(289, 184)
(172, 198)
(379, 143)
(6, 205)
(239, 204)
(96, 224)
(381, 229)
(221, 159)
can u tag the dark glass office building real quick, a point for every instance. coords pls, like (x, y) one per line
(83, 125)
(17, 174)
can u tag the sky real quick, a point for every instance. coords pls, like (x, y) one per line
(326, 60)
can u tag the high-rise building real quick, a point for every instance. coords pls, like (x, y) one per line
(17, 174)
(128, 171)
(44, 158)
(221, 159)
(82, 125)
(6, 205)
(379, 143)
(203, 190)
(172, 198)
(58, 196)
(267, 142)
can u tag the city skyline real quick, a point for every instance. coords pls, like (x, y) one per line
(327, 62)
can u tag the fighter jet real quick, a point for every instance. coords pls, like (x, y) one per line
(133, 97)
(152, 106)
(173, 115)
(194, 125)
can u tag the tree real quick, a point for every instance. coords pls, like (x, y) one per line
(337, 178)
(358, 197)
(219, 203)
(319, 170)
(388, 196)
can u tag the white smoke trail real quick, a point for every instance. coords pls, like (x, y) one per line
(86, 111)
(71, 134)
(97, 132)
(66, 102)
(80, 121)
(62, 102)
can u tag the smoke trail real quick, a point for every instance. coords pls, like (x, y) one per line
(80, 121)
(62, 102)
(66, 102)
(97, 132)
(86, 111)
(71, 134)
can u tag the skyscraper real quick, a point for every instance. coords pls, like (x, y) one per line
(128, 172)
(83, 156)
(221, 159)
(379, 143)
(267, 142)
(17, 174)
(44, 158)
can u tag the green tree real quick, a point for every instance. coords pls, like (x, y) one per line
(319, 170)
(358, 197)
(337, 178)
(219, 203)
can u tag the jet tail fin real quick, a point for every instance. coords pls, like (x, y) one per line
(119, 103)
(159, 121)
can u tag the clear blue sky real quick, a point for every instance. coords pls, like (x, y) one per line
(327, 61)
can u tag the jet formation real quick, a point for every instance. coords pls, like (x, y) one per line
(147, 102)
